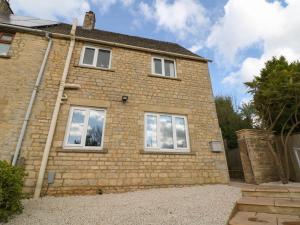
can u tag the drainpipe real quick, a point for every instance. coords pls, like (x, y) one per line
(48, 144)
(32, 100)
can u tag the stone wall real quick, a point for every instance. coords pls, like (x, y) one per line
(257, 161)
(17, 79)
(123, 165)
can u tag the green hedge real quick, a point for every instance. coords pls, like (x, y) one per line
(11, 182)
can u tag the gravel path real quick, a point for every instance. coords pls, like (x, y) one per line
(201, 205)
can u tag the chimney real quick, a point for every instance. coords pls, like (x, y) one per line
(5, 8)
(89, 20)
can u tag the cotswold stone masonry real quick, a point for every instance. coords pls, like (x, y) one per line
(123, 164)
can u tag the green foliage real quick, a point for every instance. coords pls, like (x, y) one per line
(276, 94)
(11, 181)
(248, 113)
(230, 120)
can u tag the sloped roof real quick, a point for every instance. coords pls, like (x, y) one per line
(102, 35)
(121, 38)
(25, 21)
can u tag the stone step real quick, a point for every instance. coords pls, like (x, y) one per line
(253, 218)
(269, 205)
(271, 191)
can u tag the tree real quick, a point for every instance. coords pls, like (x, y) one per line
(249, 115)
(230, 120)
(276, 98)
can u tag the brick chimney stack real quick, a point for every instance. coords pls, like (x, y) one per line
(89, 20)
(5, 8)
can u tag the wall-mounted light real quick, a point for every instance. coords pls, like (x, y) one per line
(216, 146)
(124, 99)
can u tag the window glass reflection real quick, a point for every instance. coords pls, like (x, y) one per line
(94, 129)
(166, 131)
(88, 56)
(151, 134)
(103, 58)
(180, 132)
(169, 68)
(76, 127)
(157, 66)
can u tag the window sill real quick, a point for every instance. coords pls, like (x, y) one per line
(166, 153)
(95, 68)
(5, 56)
(164, 77)
(100, 151)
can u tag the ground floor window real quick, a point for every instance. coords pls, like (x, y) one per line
(165, 132)
(85, 128)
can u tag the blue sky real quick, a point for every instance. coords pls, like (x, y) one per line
(238, 35)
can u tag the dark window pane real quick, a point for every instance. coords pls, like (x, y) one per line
(169, 68)
(157, 66)
(180, 133)
(103, 58)
(6, 37)
(166, 132)
(89, 56)
(151, 132)
(95, 128)
(76, 127)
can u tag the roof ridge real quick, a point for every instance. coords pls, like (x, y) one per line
(132, 40)
(129, 35)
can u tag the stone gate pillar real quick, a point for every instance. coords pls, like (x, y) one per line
(257, 160)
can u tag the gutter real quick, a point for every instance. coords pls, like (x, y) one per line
(32, 100)
(62, 86)
(67, 36)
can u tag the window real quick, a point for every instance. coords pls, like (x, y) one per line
(96, 57)
(165, 132)
(85, 128)
(5, 43)
(163, 67)
(297, 154)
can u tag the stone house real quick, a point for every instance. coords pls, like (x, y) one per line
(86, 110)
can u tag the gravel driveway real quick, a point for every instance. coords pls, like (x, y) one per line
(201, 205)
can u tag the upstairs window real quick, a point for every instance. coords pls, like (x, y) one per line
(5, 43)
(163, 67)
(165, 132)
(85, 128)
(96, 57)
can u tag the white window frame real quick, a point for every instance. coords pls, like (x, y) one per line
(163, 66)
(95, 57)
(86, 120)
(158, 149)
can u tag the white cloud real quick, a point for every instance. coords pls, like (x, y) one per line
(105, 5)
(251, 66)
(196, 47)
(245, 23)
(181, 17)
(53, 10)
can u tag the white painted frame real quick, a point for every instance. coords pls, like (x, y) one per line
(158, 149)
(86, 119)
(95, 57)
(162, 66)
